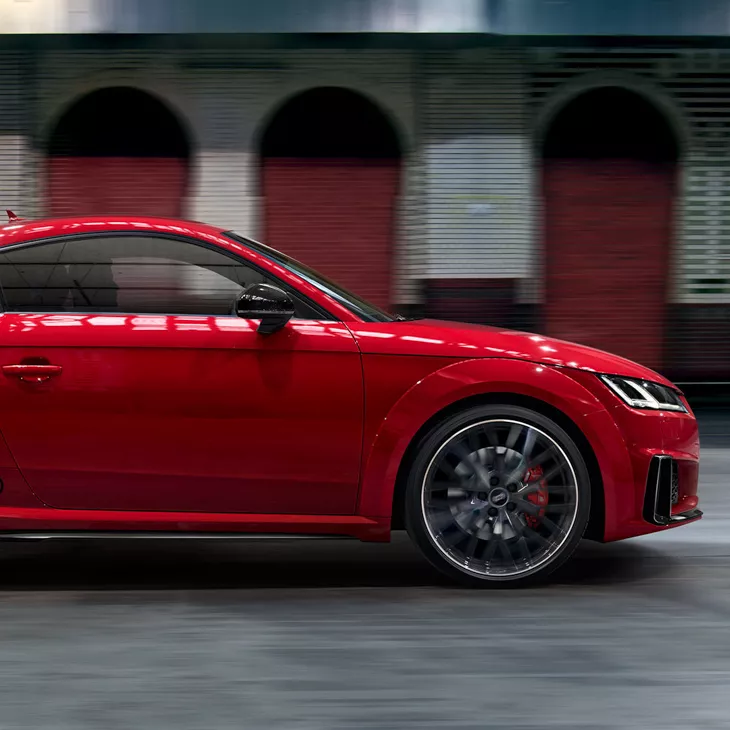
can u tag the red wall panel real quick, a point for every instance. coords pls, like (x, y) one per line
(336, 215)
(608, 231)
(102, 185)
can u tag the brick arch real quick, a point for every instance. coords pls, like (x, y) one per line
(609, 172)
(330, 168)
(118, 150)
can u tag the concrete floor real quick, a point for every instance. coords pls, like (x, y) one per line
(346, 635)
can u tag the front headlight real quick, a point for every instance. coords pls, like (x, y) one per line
(644, 394)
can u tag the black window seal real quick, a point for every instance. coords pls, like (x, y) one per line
(288, 288)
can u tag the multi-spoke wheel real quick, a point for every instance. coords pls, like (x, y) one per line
(497, 494)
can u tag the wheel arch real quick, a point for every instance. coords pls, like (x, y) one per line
(550, 391)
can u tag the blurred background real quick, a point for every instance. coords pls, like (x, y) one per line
(557, 166)
(560, 166)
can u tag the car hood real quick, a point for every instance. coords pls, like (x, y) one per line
(455, 339)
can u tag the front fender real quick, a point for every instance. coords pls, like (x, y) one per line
(469, 378)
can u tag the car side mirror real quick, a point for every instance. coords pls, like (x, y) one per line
(273, 306)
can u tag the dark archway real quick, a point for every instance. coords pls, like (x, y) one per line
(609, 185)
(118, 150)
(330, 176)
(330, 122)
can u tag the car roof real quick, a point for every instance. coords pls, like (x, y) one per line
(24, 230)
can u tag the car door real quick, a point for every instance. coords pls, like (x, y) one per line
(128, 384)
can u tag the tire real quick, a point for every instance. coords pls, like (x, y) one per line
(497, 495)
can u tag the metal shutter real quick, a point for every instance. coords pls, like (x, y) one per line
(699, 84)
(16, 172)
(478, 166)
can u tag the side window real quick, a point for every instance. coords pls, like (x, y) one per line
(132, 274)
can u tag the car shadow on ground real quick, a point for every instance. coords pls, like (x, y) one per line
(109, 565)
(618, 563)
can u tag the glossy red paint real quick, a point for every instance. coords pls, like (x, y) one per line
(197, 414)
(455, 339)
(198, 423)
(470, 378)
(644, 434)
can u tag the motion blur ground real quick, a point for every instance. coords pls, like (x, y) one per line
(348, 635)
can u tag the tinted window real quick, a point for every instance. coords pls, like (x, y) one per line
(135, 274)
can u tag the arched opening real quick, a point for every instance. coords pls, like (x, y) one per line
(118, 150)
(330, 173)
(609, 186)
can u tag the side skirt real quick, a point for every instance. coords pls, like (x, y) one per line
(47, 523)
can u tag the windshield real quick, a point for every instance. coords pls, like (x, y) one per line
(365, 310)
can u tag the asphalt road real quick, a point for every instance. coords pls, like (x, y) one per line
(344, 635)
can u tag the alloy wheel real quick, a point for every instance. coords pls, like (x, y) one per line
(499, 498)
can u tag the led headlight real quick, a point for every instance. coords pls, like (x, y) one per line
(644, 394)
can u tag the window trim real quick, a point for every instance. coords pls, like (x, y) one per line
(288, 288)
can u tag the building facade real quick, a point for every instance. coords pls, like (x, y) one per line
(485, 161)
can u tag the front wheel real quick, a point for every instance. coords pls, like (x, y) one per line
(497, 494)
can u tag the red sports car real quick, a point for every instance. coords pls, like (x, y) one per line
(165, 377)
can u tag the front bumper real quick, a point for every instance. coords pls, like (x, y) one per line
(630, 444)
(664, 451)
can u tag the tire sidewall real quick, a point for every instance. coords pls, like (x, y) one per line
(427, 448)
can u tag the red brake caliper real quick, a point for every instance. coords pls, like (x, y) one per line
(538, 497)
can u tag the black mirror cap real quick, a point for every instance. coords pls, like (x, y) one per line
(273, 306)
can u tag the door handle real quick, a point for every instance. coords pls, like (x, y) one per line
(33, 373)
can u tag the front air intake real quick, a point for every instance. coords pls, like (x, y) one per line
(662, 493)
(658, 499)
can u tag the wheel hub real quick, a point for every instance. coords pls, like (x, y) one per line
(498, 497)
